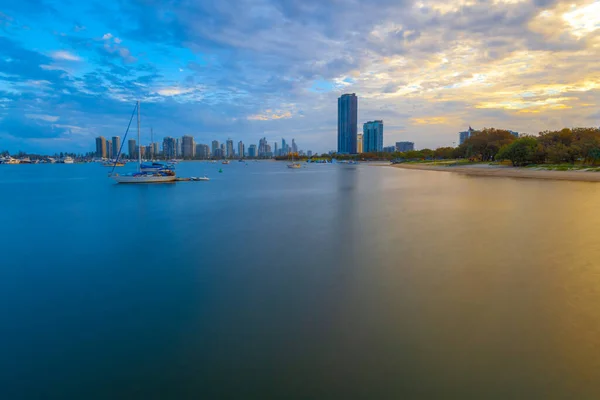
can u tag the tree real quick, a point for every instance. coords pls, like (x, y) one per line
(521, 152)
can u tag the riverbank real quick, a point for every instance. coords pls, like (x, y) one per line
(506, 172)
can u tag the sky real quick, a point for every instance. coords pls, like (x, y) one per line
(243, 69)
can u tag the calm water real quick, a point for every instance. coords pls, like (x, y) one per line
(331, 281)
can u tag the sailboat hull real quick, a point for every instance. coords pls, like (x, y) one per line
(143, 179)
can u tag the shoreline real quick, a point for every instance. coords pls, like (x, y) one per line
(508, 172)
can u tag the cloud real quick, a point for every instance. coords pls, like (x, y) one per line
(269, 115)
(65, 56)
(173, 91)
(43, 117)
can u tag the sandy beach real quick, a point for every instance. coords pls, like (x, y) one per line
(508, 172)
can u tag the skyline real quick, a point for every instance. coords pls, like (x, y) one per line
(71, 72)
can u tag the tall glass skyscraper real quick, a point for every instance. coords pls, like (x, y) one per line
(373, 136)
(116, 145)
(347, 123)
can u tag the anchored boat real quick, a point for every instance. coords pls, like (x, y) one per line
(142, 175)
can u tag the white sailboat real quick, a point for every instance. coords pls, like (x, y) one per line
(294, 165)
(161, 176)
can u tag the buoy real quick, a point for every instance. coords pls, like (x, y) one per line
(220, 170)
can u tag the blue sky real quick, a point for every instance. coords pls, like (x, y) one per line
(72, 70)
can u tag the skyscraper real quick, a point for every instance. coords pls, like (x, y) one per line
(116, 145)
(109, 152)
(229, 148)
(178, 147)
(148, 152)
(202, 151)
(241, 149)
(284, 146)
(373, 136)
(404, 146)
(347, 123)
(215, 146)
(309, 153)
(262, 147)
(169, 147)
(101, 147)
(155, 149)
(252, 151)
(359, 143)
(462, 136)
(188, 147)
(132, 149)
(275, 150)
(223, 152)
(294, 146)
(268, 152)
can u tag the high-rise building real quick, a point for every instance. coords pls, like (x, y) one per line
(275, 150)
(131, 148)
(229, 148)
(252, 151)
(404, 146)
(359, 143)
(188, 147)
(101, 147)
(143, 152)
(284, 147)
(215, 146)
(223, 152)
(116, 145)
(109, 152)
(262, 147)
(347, 123)
(389, 149)
(373, 136)
(219, 153)
(155, 149)
(294, 147)
(169, 147)
(178, 147)
(268, 152)
(149, 152)
(202, 151)
(462, 136)
(241, 149)
(309, 153)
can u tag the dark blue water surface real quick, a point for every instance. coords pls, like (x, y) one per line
(332, 281)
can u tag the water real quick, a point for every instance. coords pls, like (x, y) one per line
(332, 281)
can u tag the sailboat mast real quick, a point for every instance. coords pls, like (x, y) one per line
(139, 140)
(152, 142)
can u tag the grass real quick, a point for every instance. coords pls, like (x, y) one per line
(565, 167)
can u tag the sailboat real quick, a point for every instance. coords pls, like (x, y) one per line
(160, 176)
(294, 165)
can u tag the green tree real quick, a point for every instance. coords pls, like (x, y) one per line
(521, 152)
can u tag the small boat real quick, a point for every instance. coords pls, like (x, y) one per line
(113, 164)
(294, 165)
(68, 160)
(10, 160)
(160, 176)
(25, 160)
(200, 178)
(225, 162)
(240, 160)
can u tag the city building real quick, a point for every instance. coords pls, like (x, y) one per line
(169, 147)
(148, 152)
(219, 153)
(515, 134)
(275, 149)
(404, 146)
(109, 152)
(262, 147)
(373, 136)
(215, 146)
(188, 147)
(309, 153)
(294, 146)
(131, 148)
(359, 143)
(223, 152)
(268, 152)
(241, 149)
(202, 151)
(143, 152)
(389, 149)
(178, 147)
(229, 149)
(462, 136)
(116, 145)
(347, 123)
(101, 147)
(284, 147)
(155, 149)
(252, 151)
